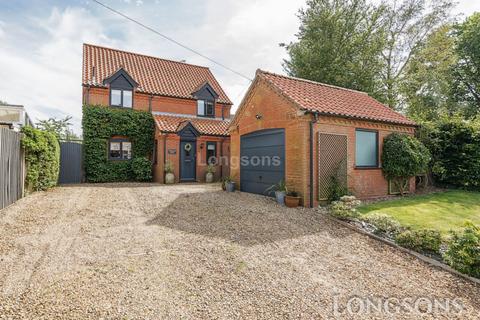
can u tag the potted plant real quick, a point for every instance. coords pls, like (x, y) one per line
(280, 190)
(210, 172)
(169, 176)
(292, 200)
(229, 184)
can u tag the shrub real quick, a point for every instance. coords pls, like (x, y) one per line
(336, 189)
(169, 167)
(403, 157)
(423, 240)
(455, 148)
(142, 169)
(99, 125)
(345, 208)
(384, 224)
(42, 158)
(463, 253)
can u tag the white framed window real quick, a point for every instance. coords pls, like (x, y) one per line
(211, 152)
(119, 149)
(205, 108)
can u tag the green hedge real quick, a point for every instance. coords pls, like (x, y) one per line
(99, 124)
(455, 148)
(42, 158)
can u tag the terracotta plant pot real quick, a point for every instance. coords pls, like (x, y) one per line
(169, 178)
(292, 202)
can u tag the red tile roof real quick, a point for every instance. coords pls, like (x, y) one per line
(154, 75)
(332, 100)
(213, 127)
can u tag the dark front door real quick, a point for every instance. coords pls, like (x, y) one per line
(187, 160)
(262, 160)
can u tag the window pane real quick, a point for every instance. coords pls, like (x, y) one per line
(116, 97)
(366, 149)
(210, 111)
(127, 98)
(201, 107)
(126, 150)
(115, 150)
(211, 153)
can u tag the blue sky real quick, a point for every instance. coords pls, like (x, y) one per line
(41, 42)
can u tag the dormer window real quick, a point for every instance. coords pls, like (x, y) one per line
(205, 108)
(121, 98)
(121, 89)
(206, 98)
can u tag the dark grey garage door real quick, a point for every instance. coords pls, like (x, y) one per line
(262, 162)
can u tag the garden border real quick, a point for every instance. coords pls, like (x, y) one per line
(419, 256)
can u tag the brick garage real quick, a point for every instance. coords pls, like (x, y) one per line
(346, 127)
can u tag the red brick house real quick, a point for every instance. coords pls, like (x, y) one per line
(317, 132)
(191, 110)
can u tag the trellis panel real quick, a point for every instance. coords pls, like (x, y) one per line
(332, 161)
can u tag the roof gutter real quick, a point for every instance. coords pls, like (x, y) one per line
(319, 113)
(312, 124)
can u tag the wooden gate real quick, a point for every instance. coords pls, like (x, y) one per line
(71, 162)
(12, 167)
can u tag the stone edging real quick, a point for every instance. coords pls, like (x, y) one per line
(419, 256)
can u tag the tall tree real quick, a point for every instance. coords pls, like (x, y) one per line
(409, 23)
(467, 70)
(426, 88)
(61, 127)
(339, 43)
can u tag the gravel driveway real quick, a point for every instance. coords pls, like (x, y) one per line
(146, 251)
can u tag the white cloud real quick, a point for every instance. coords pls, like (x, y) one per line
(47, 79)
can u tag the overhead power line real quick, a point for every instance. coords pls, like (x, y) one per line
(171, 40)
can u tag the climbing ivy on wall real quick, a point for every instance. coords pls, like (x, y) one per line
(99, 124)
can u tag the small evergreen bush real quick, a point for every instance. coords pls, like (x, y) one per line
(463, 253)
(423, 240)
(384, 224)
(345, 208)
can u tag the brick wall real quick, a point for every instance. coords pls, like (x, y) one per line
(141, 101)
(278, 112)
(364, 183)
(172, 142)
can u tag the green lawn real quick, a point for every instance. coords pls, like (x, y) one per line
(442, 211)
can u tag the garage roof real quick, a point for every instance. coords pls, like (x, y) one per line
(331, 100)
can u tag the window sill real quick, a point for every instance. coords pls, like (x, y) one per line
(120, 107)
(203, 116)
(367, 168)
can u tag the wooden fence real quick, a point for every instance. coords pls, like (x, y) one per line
(12, 167)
